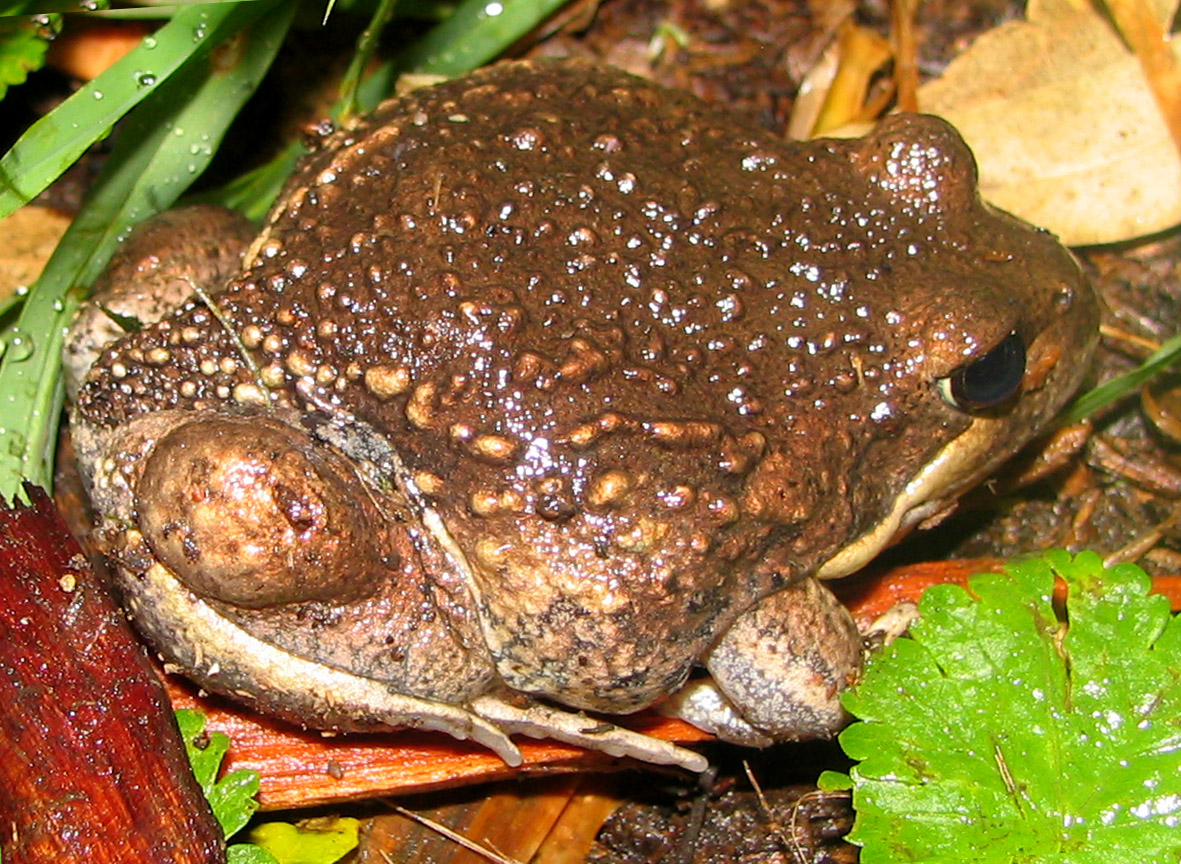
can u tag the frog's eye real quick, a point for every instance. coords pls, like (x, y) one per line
(989, 380)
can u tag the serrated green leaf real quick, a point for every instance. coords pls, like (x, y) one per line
(234, 800)
(248, 853)
(191, 724)
(995, 734)
(233, 797)
(23, 43)
(315, 841)
(834, 781)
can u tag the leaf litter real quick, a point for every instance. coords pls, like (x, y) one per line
(1064, 123)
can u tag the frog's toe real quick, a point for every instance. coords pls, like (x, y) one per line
(540, 721)
(780, 670)
(701, 704)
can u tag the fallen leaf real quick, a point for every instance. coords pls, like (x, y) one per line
(27, 238)
(1064, 125)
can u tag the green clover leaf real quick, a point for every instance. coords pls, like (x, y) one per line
(995, 733)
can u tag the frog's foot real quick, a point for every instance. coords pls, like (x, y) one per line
(540, 721)
(891, 624)
(778, 672)
(702, 704)
(282, 684)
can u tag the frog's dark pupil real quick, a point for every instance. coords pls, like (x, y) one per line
(992, 379)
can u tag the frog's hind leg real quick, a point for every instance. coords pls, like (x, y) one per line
(541, 721)
(280, 683)
(778, 672)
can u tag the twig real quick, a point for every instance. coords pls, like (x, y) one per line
(789, 844)
(692, 830)
(443, 830)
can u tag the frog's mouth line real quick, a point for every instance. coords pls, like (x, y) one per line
(929, 492)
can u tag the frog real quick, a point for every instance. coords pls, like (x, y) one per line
(546, 395)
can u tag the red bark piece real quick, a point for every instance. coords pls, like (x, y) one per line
(92, 767)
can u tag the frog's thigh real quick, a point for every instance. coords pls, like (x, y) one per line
(778, 672)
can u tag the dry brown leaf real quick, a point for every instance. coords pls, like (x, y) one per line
(1064, 125)
(27, 238)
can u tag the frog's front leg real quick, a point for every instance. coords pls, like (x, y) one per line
(161, 264)
(778, 672)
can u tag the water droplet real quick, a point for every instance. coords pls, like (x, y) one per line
(22, 291)
(97, 94)
(145, 79)
(59, 306)
(20, 346)
(493, 9)
(149, 42)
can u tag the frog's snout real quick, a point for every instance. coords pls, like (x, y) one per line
(252, 514)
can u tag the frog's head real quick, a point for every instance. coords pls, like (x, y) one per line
(990, 339)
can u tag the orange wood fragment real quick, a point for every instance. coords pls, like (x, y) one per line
(88, 47)
(304, 768)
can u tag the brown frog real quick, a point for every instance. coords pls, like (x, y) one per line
(544, 387)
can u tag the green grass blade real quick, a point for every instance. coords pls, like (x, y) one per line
(165, 145)
(476, 34)
(366, 47)
(1125, 384)
(43, 7)
(253, 192)
(56, 141)
(479, 31)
